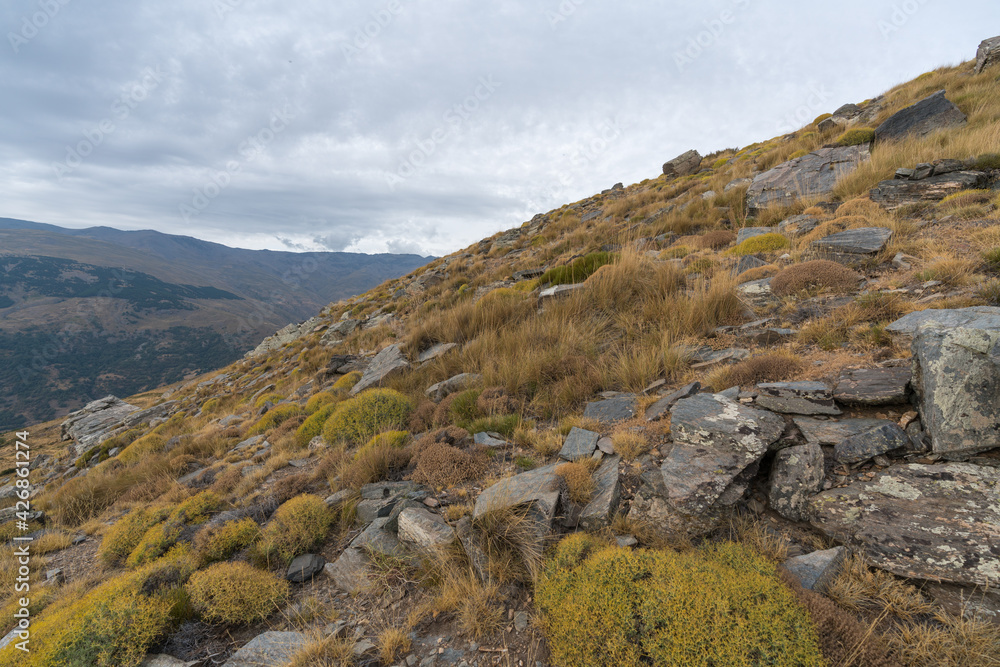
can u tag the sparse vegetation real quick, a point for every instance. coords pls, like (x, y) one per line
(236, 593)
(359, 419)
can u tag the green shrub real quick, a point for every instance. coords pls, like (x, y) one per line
(720, 163)
(988, 161)
(465, 408)
(317, 401)
(313, 426)
(503, 424)
(761, 243)
(675, 252)
(394, 439)
(196, 509)
(820, 118)
(210, 406)
(720, 605)
(155, 542)
(274, 417)
(298, 526)
(272, 397)
(369, 413)
(856, 137)
(992, 258)
(347, 382)
(123, 537)
(236, 593)
(216, 543)
(141, 448)
(576, 271)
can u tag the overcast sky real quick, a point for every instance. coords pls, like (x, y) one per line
(415, 125)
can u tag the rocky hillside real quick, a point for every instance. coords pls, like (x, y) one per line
(88, 312)
(744, 412)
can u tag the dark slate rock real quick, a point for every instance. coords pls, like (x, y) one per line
(863, 446)
(607, 494)
(268, 649)
(873, 386)
(682, 165)
(895, 193)
(460, 382)
(798, 225)
(947, 511)
(928, 115)
(716, 421)
(817, 570)
(612, 410)
(976, 317)
(351, 572)
(369, 510)
(987, 54)
(387, 363)
(579, 444)
(386, 490)
(797, 398)
(865, 241)
(375, 538)
(750, 232)
(303, 568)
(535, 486)
(436, 351)
(829, 432)
(746, 263)
(528, 274)
(956, 380)
(812, 175)
(797, 474)
(478, 558)
(657, 410)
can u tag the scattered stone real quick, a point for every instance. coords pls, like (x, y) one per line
(424, 528)
(873, 386)
(387, 363)
(682, 165)
(949, 510)
(812, 175)
(895, 193)
(528, 274)
(853, 244)
(797, 225)
(988, 53)
(606, 446)
(817, 570)
(746, 263)
(928, 115)
(607, 494)
(436, 351)
(350, 572)
(521, 619)
(55, 576)
(658, 410)
(163, 660)
(737, 183)
(579, 444)
(339, 498)
(303, 568)
(956, 376)
(824, 432)
(268, 649)
(756, 288)
(459, 382)
(615, 409)
(95, 423)
(797, 398)
(492, 440)
(796, 475)
(558, 291)
(626, 541)
(376, 538)
(749, 232)
(538, 487)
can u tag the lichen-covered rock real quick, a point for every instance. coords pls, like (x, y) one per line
(879, 440)
(897, 192)
(95, 422)
(957, 381)
(612, 409)
(937, 522)
(873, 386)
(716, 421)
(607, 494)
(814, 174)
(988, 53)
(386, 363)
(796, 475)
(823, 432)
(797, 398)
(817, 570)
(270, 648)
(976, 317)
(424, 528)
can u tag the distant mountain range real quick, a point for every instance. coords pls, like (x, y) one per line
(88, 312)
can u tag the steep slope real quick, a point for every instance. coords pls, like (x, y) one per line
(594, 438)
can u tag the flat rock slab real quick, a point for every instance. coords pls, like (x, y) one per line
(716, 421)
(375, 538)
(957, 380)
(863, 446)
(492, 440)
(529, 487)
(746, 263)
(873, 386)
(817, 570)
(611, 410)
(460, 382)
(988, 53)
(268, 649)
(350, 572)
(935, 112)
(829, 432)
(579, 444)
(390, 361)
(558, 292)
(796, 475)
(895, 193)
(95, 422)
(750, 232)
(797, 398)
(864, 241)
(936, 522)
(798, 225)
(424, 528)
(814, 174)
(658, 410)
(607, 495)
(682, 165)
(976, 317)
(436, 351)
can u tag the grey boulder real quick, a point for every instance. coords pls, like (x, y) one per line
(268, 649)
(879, 440)
(797, 398)
(303, 568)
(387, 363)
(895, 193)
(796, 475)
(460, 382)
(873, 386)
(817, 570)
(852, 244)
(682, 165)
(811, 175)
(988, 53)
(930, 114)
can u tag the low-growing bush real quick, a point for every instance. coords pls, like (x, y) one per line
(215, 543)
(154, 543)
(274, 417)
(141, 448)
(236, 593)
(720, 605)
(299, 525)
(503, 424)
(360, 418)
(760, 243)
(576, 271)
(347, 382)
(313, 425)
(818, 274)
(720, 238)
(579, 484)
(272, 398)
(197, 508)
(394, 439)
(126, 533)
(440, 465)
(856, 136)
(317, 401)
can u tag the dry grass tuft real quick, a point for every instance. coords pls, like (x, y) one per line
(630, 443)
(771, 367)
(579, 484)
(441, 465)
(864, 589)
(816, 275)
(717, 239)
